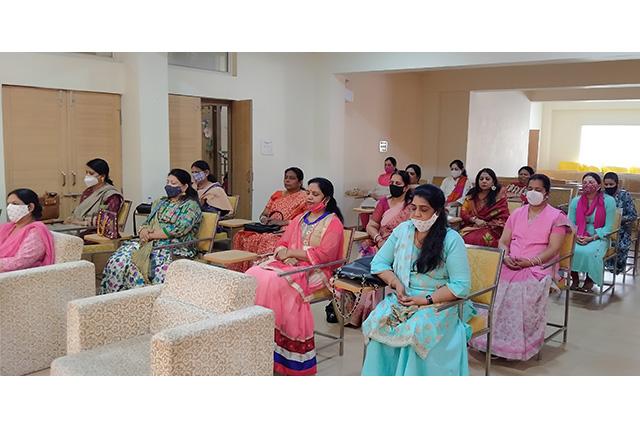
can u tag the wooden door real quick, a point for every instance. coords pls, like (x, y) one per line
(185, 131)
(35, 139)
(242, 156)
(94, 132)
(534, 145)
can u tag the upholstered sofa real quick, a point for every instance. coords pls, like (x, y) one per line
(201, 321)
(33, 304)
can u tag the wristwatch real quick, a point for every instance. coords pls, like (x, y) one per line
(429, 299)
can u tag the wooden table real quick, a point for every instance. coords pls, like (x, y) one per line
(226, 258)
(359, 236)
(360, 210)
(234, 223)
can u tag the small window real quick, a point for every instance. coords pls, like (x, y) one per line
(609, 145)
(212, 61)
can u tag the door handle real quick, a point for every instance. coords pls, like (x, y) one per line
(64, 178)
(73, 174)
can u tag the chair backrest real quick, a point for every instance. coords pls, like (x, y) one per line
(233, 200)
(617, 221)
(485, 264)
(567, 249)
(68, 248)
(514, 205)
(207, 230)
(123, 214)
(347, 243)
(437, 181)
(560, 196)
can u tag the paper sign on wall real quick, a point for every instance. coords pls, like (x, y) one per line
(384, 146)
(266, 148)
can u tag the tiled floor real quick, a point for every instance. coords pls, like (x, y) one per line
(602, 340)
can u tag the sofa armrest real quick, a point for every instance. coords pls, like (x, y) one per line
(109, 318)
(33, 307)
(232, 344)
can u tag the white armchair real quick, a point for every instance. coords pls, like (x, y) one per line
(33, 305)
(201, 321)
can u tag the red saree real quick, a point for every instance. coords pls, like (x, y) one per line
(495, 215)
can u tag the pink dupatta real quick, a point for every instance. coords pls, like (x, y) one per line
(10, 243)
(583, 211)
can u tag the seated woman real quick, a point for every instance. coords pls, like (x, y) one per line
(389, 213)
(173, 219)
(425, 263)
(283, 206)
(518, 189)
(315, 237)
(415, 173)
(211, 195)
(532, 237)
(629, 215)
(100, 194)
(24, 242)
(485, 210)
(456, 186)
(593, 213)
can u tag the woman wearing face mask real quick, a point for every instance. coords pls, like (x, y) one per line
(99, 194)
(25, 242)
(518, 189)
(629, 215)
(381, 190)
(173, 219)
(425, 262)
(415, 172)
(457, 185)
(211, 195)
(485, 211)
(315, 237)
(593, 213)
(532, 237)
(283, 206)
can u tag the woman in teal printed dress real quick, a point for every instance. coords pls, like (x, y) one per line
(173, 219)
(629, 215)
(425, 262)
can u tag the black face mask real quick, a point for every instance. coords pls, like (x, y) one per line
(611, 190)
(172, 191)
(396, 190)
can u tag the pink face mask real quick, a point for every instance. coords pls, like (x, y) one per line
(389, 169)
(590, 188)
(318, 207)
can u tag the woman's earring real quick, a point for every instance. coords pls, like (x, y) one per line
(493, 187)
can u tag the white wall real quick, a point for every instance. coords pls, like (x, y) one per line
(498, 132)
(562, 122)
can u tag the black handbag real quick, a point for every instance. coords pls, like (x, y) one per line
(360, 270)
(143, 209)
(261, 228)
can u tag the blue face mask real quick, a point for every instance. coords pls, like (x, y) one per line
(172, 191)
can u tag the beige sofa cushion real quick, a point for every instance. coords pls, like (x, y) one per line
(130, 357)
(169, 312)
(68, 248)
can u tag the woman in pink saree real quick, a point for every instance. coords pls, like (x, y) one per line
(315, 237)
(532, 237)
(24, 242)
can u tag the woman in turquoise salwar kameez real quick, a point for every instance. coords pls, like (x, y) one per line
(426, 263)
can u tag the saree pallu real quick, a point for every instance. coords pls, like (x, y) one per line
(289, 206)
(288, 297)
(495, 215)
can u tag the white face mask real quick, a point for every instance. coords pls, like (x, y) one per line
(424, 225)
(16, 212)
(534, 198)
(90, 180)
(455, 173)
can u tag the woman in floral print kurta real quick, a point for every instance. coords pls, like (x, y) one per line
(629, 215)
(173, 219)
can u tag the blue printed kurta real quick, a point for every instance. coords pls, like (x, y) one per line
(629, 215)
(428, 343)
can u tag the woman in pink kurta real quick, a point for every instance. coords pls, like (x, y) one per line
(24, 242)
(532, 237)
(312, 238)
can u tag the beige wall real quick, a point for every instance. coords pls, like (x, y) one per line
(561, 123)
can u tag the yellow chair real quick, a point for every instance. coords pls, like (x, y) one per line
(564, 261)
(514, 205)
(589, 168)
(617, 169)
(485, 264)
(634, 170)
(632, 258)
(569, 166)
(225, 236)
(560, 197)
(102, 245)
(437, 181)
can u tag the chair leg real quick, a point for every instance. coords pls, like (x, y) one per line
(487, 356)
(566, 316)
(341, 320)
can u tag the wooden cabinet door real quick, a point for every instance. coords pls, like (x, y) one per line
(242, 156)
(35, 140)
(94, 132)
(185, 131)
